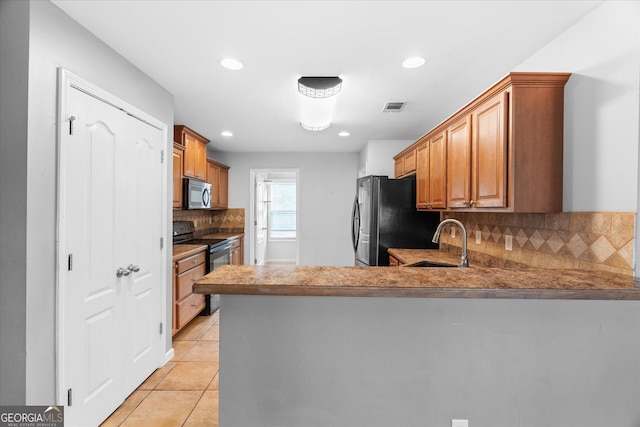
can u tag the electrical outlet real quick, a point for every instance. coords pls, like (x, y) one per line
(478, 237)
(459, 423)
(508, 242)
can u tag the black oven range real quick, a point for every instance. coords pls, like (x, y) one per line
(218, 254)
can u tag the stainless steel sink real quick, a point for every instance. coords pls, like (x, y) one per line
(429, 264)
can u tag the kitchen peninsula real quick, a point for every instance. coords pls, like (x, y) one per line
(421, 346)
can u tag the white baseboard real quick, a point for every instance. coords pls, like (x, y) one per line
(168, 356)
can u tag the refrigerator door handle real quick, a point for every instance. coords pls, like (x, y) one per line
(355, 224)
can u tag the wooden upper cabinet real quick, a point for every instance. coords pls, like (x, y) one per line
(195, 152)
(504, 149)
(489, 148)
(218, 177)
(438, 171)
(423, 196)
(178, 150)
(405, 163)
(223, 195)
(477, 154)
(459, 163)
(213, 178)
(431, 173)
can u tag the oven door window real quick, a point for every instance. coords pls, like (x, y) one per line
(220, 258)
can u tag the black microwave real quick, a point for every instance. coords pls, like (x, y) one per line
(195, 194)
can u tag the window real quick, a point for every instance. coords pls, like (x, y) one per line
(282, 212)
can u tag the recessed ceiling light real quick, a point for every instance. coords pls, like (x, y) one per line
(344, 133)
(413, 62)
(226, 133)
(231, 64)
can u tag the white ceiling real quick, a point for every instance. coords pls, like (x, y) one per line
(468, 45)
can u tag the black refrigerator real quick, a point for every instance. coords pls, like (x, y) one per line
(385, 216)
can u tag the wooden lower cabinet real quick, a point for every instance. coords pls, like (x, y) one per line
(186, 304)
(237, 251)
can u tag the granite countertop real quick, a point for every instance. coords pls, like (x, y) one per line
(475, 282)
(184, 250)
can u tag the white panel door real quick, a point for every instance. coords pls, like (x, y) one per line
(111, 202)
(143, 204)
(261, 220)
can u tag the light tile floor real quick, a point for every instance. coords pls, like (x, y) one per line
(184, 392)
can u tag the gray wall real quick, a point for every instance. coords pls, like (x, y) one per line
(14, 51)
(602, 104)
(376, 158)
(54, 40)
(329, 361)
(327, 188)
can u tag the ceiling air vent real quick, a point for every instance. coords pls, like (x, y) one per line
(393, 107)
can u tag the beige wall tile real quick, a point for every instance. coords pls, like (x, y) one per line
(585, 240)
(601, 222)
(622, 223)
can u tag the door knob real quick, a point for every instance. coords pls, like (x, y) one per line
(133, 268)
(122, 272)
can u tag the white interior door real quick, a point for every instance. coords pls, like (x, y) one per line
(142, 202)
(110, 208)
(261, 213)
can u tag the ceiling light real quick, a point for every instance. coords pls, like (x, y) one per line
(413, 62)
(231, 64)
(319, 87)
(226, 133)
(317, 101)
(344, 133)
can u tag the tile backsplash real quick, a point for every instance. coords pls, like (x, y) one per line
(208, 221)
(579, 240)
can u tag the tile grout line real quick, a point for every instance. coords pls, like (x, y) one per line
(208, 325)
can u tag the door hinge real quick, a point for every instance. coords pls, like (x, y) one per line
(71, 119)
(162, 243)
(69, 397)
(161, 327)
(162, 156)
(70, 262)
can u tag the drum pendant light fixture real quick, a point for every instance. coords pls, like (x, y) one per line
(317, 101)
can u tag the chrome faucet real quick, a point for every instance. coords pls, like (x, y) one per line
(464, 261)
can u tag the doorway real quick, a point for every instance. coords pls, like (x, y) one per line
(274, 216)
